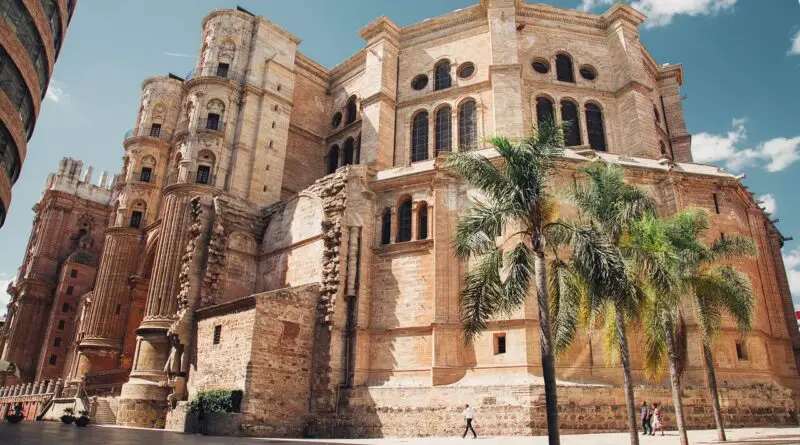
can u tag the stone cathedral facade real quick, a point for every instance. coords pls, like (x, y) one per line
(285, 229)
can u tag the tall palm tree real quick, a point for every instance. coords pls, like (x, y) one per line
(516, 197)
(713, 288)
(597, 272)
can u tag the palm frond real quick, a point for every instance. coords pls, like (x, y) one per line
(479, 171)
(732, 247)
(480, 298)
(478, 228)
(739, 299)
(567, 295)
(517, 284)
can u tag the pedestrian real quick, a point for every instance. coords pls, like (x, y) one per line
(469, 416)
(658, 421)
(646, 414)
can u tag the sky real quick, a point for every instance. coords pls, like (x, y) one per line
(741, 62)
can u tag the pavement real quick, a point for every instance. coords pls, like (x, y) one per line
(50, 433)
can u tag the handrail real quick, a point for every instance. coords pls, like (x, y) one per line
(214, 70)
(149, 131)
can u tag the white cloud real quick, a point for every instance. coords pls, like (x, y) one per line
(774, 155)
(769, 203)
(795, 49)
(56, 92)
(5, 280)
(661, 12)
(177, 54)
(792, 263)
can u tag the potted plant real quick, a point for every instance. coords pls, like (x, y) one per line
(83, 420)
(68, 416)
(16, 414)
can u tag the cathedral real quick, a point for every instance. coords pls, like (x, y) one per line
(285, 229)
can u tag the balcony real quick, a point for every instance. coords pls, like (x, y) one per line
(152, 131)
(192, 177)
(211, 125)
(219, 71)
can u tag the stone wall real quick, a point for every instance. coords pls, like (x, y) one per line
(520, 410)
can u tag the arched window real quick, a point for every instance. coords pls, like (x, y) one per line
(404, 221)
(569, 114)
(349, 151)
(564, 69)
(351, 110)
(422, 221)
(544, 110)
(333, 159)
(594, 126)
(138, 211)
(468, 126)
(386, 226)
(419, 137)
(205, 167)
(147, 169)
(444, 129)
(441, 76)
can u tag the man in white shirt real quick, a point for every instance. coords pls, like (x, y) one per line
(469, 416)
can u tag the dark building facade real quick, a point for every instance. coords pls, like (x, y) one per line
(31, 36)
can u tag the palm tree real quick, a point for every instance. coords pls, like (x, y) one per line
(597, 275)
(713, 288)
(516, 196)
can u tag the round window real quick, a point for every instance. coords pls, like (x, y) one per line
(337, 119)
(419, 82)
(541, 66)
(588, 72)
(466, 70)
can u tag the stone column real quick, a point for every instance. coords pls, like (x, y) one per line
(28, 389)
(58, 388)
(105, 324)
(51, 386)
(506, 71)
(42, 387)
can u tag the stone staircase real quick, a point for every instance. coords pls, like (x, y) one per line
(104, 413)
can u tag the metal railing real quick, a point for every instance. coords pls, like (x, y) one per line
(191, 178)
(181, 127)
(149, 131)
(214, 70)
(211, 124)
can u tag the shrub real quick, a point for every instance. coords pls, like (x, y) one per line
(217, 401)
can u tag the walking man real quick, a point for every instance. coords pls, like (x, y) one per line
(469, 416)
(646, 414)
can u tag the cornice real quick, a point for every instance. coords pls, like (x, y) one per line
(238, 305)
(380, 96)
(455, 18)
(634, 85)
(305, 133)
(304, 62)
(558, 15)
(152, 79)
(441, 94)
(348, 69)
(623, 12)
(381, 25)
(404, 247)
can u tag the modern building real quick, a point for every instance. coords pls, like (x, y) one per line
(286, 230)
(31, 36)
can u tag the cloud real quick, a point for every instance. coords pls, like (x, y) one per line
(795, 49)
(661, 12)
(177, 54)
(773, 155)
(56, 92)
(769, 203)
(792, 262)
(5, 280)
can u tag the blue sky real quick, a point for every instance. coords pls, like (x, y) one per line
(741, 61)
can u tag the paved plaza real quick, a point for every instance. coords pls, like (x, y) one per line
(47, 433)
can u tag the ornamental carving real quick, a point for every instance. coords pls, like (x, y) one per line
(216, 257)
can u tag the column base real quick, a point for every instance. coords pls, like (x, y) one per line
(143, 404)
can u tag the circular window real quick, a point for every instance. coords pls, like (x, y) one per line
(337, 119)
(541, 66)
(419, 82)
(466, 70)
(588, 72)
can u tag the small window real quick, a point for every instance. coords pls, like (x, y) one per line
(70, 289)
(217, 334)
(499, 344)
(419, 82)
(273, 124)
(53, 359)
(203, 174)
(404, 221)
(65, 307)
(60, 325)
(352, 111)
(588, 72)
(741, 351)
(441, 76)
(722, 236)
(336, 120)
(222, 70)
(422, 221)
(564, 69)
(57, 342)
(117, 311)
(146, 174)
(136, 219)
(541, 66)
(716, 202)
(466, 70)
(386, 227)
(155, 130)
(212, 122)
(73, 273)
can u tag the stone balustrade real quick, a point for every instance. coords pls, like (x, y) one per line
(40, 388)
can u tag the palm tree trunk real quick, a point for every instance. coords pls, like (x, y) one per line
(675, 381)
(626, 372)
(712, 387)
(548, 360)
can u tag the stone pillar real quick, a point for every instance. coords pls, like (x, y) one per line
(105, 324)
(51, 386)
(506, 71)
(42, 387)
(58, 388)
(28, 322)
(28, 389)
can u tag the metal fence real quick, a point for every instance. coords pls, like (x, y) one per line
(149, 131)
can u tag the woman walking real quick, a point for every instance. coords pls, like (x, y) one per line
(658, 422)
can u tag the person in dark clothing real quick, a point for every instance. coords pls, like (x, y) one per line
(646, 415)
(469, 416)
